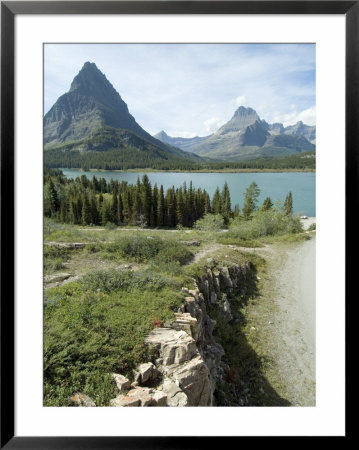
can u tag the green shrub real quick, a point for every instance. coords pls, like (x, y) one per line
(264, 223)
(312, 227)
(55, 257)
(210, 222)
(89, 334)
(106, 280)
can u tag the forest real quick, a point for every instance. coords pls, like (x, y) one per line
(97, 202)
(137, 159)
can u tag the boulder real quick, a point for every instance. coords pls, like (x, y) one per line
(141, 396)
(81, 400)
(184, 321)
(122, 383)
(193, 379)
(123, 400)
(56, 277)
(175, 395)
(159, 398)
(174, 347)
(146, 373)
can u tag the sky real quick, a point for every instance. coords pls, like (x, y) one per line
(191, 90)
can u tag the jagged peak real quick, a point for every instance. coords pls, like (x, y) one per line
(244, 111)
(90, 78)
(162, 133)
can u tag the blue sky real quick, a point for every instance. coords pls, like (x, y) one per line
(192, 89)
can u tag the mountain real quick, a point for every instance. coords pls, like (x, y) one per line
(246, 136)
(242, 118)
(186, 144)
(307, 131)
(92, 116)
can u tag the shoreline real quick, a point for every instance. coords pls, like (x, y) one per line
(149, 170)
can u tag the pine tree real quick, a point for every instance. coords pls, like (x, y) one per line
(161, 208)
(236, 212)
(267, 204)
(86, 210)
(146, 199)
(226, 203)
(207, 204)
(53, 198)
(250, 200)
(217, 202)
(95, 217)
(288, 205)
(180, 208)
(114, 207)
(154, 206)
(120, 209)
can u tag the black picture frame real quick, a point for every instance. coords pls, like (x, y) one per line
(9, 9)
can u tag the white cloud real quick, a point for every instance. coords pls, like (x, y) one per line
(307, 116)
(241, 100)
(212, 125)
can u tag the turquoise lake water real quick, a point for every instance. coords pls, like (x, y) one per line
(274, 185)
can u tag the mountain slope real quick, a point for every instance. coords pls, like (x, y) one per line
(186, 144)
(245, 136)
(91, 106)
(307, 131)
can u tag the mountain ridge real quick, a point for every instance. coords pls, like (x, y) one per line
(247, 135)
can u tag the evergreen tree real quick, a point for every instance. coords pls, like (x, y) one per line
(86, 210)
(54, 203)
(226, 203)
(267, 204)
(120, 209)
(146, 200)
(106, 213)
(95, 217)
(217, 202)
(236, 212)
(180, 208)
(161, 208)
(288, 204)
(114, 207)
(250, 199)
(170, 204)
(154, 208)
(207, 204)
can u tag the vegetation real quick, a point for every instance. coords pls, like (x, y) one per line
(97, 202)
(113, 159)
(128, 281)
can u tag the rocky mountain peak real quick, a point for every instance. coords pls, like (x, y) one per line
(161, 135)
(242, 111)
(242, 118)
(91, 82)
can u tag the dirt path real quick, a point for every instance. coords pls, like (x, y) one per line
(291, 334)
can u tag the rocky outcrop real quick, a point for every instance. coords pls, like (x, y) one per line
(187, 359)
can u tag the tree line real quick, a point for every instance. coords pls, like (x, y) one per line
(84, 201)
(98, 202)
(135, 159)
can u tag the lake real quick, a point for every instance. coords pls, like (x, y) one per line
(275, 185)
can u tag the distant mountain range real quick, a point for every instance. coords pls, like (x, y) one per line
(246, 136)
(90, 126)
